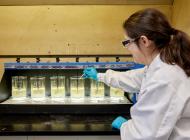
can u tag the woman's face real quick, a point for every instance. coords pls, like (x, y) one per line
(144, 52)
(136, 52)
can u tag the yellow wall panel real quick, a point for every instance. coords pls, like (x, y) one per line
(181, 15)
(76, 29)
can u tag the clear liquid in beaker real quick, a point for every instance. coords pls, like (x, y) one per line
(97, 89)
(77, 87)
(57, 86)
(19, 86)
(37, 87)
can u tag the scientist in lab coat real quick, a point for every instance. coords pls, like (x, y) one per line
(162, 110)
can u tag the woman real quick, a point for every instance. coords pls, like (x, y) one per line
(162, 110)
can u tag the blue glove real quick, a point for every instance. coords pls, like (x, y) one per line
(90, 73)
(118, 122)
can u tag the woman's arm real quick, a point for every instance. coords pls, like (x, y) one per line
(129, 81)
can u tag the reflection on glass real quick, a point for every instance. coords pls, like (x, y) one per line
(97, 89)
(38, 126)
(19, 86)
(57, 86)
(96, 127)
(77, 126)
(77, 87)
(58, 126)
(19, 127)
(37, 87)
(116, 93)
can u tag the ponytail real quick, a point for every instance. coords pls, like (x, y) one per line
(178, 51)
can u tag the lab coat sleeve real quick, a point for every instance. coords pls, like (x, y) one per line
(129, 81)
(155, 114)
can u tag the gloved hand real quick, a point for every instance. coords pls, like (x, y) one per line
(90, 73)
(118, 122)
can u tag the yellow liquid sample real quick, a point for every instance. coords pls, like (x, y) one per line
(77, 92)
(57, 92)
(97, 92)
(37, 92)
(116, 92)
(18, 93)
(97, 89)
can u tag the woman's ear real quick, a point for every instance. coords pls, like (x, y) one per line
(144, 41)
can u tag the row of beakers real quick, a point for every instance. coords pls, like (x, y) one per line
(58, 87)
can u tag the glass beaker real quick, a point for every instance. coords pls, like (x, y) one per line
(37, 87)
(19, 86)
(116, 93)
(77, 87)
(97, 89)
(57, 86)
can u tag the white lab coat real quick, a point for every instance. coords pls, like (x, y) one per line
(162, 110)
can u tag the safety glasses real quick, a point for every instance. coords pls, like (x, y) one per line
(128, 41)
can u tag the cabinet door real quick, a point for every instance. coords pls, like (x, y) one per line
(74, 138)
(13, 137)
(99, 138)
(53, 138)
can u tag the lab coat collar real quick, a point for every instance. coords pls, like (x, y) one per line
(155, 64)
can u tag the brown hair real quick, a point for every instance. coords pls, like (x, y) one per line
(173, 45)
